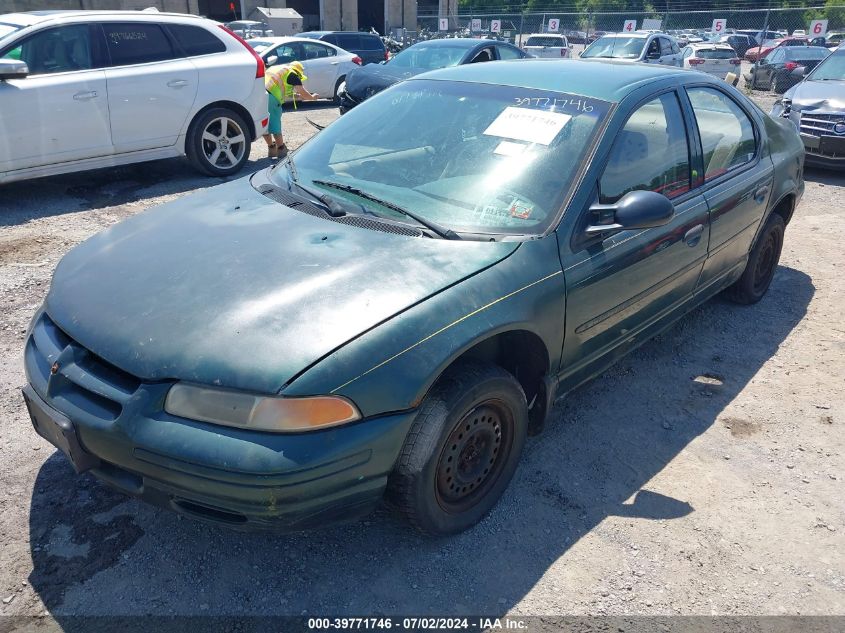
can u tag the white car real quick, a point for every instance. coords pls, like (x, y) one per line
(549, 45)
(640, 46)
(89, 89)
(715, 59)
(326, 65)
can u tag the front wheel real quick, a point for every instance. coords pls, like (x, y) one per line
(218, 142)
(462, 449)
(339, 87)
(762, 263)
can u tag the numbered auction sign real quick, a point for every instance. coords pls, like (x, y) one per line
(719, 25)
(444, 24)
(476, 24)
(495, 26)
(818, 28)
(629, 26)
(650, 24)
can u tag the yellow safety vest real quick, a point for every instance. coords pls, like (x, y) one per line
(276, 83)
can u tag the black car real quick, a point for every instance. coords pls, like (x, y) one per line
(739, 42)
(784, 67)
(362, 83)
(368, 46)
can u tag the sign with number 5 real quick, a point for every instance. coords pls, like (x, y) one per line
(630, 26)
(719, 26)
(818, 28)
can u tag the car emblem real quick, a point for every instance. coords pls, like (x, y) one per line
(54, 369)
(839, 128)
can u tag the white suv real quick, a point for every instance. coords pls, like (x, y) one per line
(88, 89)
(547, 45)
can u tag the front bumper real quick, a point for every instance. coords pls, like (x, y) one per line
(241, 478)
(817, 152)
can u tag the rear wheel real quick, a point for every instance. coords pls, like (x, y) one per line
(462, 449)
(218, 142)
(762, 263)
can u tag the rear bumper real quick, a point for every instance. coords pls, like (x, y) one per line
(244, 479)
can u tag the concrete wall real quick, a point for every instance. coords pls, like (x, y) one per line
(401, 14)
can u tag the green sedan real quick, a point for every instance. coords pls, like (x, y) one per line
(388, 313)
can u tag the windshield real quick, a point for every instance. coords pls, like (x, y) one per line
(429, 57)
(544, 41)
(715, 53)
(474, 158)
(259, 45)
(832, 68)
(621, 47)
(8, 29)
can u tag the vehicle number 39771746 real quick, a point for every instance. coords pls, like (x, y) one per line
(543, 102)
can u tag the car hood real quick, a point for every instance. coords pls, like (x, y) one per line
(226, 287)
(365, 81)
(818, 95)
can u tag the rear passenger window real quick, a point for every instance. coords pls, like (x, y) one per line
(348, 41)
(137, 43)
(727, 134)
(316, 51)
(650, 153)
(371, 43)
(195, 40)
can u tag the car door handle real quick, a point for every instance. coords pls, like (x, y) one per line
(693, 236)
(760, 194)
(85, 96)
(177, 83)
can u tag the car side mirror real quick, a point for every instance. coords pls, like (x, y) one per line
(635, 210)
(13, 69)
(272, 60)
(799, 72)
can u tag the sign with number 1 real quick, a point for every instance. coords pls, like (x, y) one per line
(630, 26)
(444, 24)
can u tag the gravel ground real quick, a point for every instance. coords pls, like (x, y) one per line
(703, 474)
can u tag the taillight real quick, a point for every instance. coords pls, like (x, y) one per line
(791, 65)
(259, 69)
(694, 61)
(386, 55)
(736, 61)
(563, 52)
(357, 60)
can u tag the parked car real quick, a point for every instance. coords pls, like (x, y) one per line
(784, 67)
(714, 59)
(762, 36)
(326, 65)
(363, 83)
(407, 318)
(547, 45)
(816, 107)
(831, 40)
(249, 28)
(799, 33)
(575, 37)
(648, 48)
(739, 42)
(124, 87)
(368, 46)
(759, 52)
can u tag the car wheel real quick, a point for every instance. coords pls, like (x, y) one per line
(218, 142)
(762, 263)
(340, 83)
(779, 86)
(462, 449)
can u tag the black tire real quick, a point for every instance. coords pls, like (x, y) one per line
(779, 85)
(472, 424)
(761, 266)
(236, 138)
(336, 98)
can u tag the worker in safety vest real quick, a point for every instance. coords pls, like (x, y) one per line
(282, 82)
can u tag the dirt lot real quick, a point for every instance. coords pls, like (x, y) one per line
(701, 475)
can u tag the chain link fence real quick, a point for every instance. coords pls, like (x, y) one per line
(581, 28)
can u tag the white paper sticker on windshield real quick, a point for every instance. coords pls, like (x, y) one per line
(507, 148)
(524, 124)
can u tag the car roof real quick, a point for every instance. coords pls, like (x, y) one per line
(30, 18)
(642, 34)
(338, 33)
(601, 79)
(709, 45)
(455, 42)
(546, 35)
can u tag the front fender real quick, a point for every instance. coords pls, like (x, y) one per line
(392, 367)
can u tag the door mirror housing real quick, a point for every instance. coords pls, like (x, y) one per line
(272, 60)
(13, 69)
(635, 210)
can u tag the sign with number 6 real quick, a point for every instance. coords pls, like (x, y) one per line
(495, 26)
(630, 26)
(818, 28)
(553, 25)
(719, 26)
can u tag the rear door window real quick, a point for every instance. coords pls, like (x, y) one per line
(195, 40)
(137, 43)
(349, 41)
(371, 43)
(315, 50)
(509, 52)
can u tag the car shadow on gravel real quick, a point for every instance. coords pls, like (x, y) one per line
(96, 553)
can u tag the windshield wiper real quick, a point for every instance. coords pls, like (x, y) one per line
(442, 231)
(329, 205)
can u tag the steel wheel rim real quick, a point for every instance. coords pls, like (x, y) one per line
(765, 264)
(474, 456)
(223, 142)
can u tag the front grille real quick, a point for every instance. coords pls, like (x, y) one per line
(72, 378)
(374, 224)
(820, 123)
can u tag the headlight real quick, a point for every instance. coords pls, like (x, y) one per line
(258, 413)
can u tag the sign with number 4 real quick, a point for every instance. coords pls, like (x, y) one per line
(719, 26)
(818, 28)
(630, 26)
(495, 26)
(444, 24)
(554, 24)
